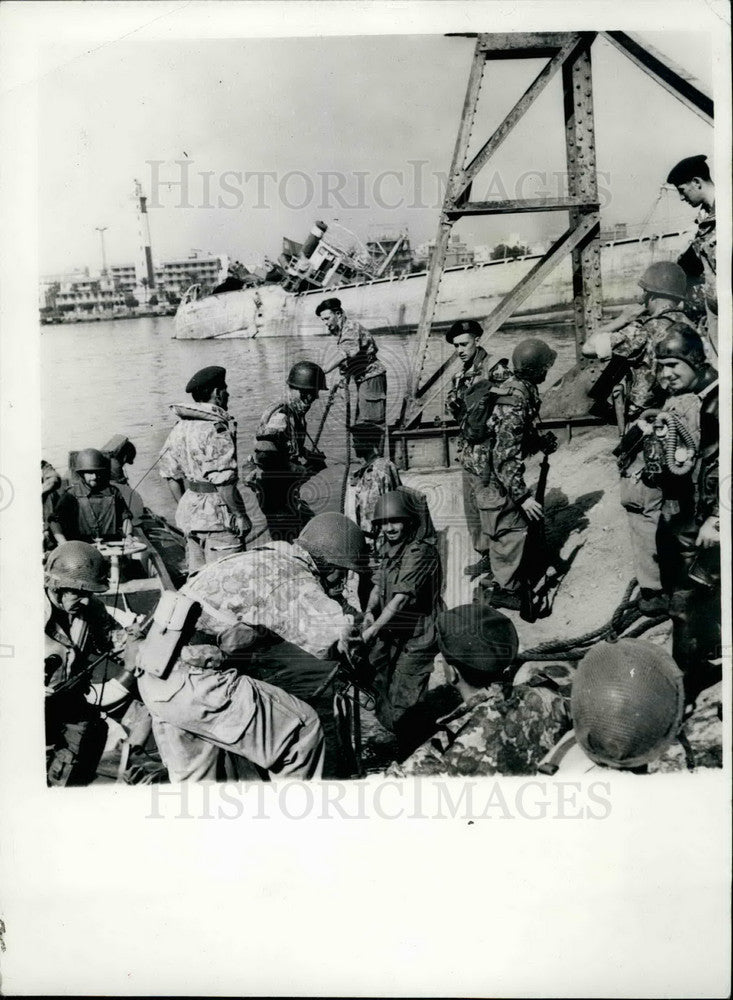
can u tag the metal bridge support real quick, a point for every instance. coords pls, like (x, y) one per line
(569, 52)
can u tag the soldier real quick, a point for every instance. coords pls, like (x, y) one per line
(506, 503)
(199, 462)
(682, 455)
(77, 627)
(398, 622)
(121, 452)
(357, 360)
(211, 722)
(630, 342)
(477, 372)
(282, 460)
(91, 508)
(627, 706)
(498, 728)
(269, 610)
(691, 177)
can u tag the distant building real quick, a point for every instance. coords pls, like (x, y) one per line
(457, 255)
(120, 289)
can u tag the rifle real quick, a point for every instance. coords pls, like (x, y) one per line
(538, 571)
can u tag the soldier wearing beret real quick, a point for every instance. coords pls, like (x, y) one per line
(498, 728)
(476, 368)
(199, 461)
(695, 186)
(357, 360)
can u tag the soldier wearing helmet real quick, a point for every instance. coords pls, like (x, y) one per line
(477, 370)
(91, 508)
(269, 612)
(282, 458)
(77, 627)
(630, 342)
(688, 538)
(695, 186)
(357, 359)
(501, 726)
(199, 463)
(505, 501)
(398, 623)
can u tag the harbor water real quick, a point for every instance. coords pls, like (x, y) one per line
(121, 376)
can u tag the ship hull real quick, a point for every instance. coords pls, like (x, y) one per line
(393, 305)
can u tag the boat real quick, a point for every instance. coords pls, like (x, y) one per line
(391, 304)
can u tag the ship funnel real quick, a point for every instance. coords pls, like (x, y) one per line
(313, 239)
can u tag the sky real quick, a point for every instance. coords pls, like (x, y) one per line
(350, 129)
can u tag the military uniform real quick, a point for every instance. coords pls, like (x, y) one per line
(83, 513)
(636, 343)
(368, 483)
(497, 731)
(691, 574)
(404, 649)
(277, 587)
(474, 458)
(643, 503)
(207, 714)
(50, 482)
(513, 435)
(703, 248)
(202, 450)
(75, 731)
(282, 459)
(361, 364)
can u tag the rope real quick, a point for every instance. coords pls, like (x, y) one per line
(625, 615)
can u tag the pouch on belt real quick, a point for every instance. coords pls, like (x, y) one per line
(172, 623)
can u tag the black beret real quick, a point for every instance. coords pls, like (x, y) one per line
(464, 326)
(477, 636)
(366, 429)
(207, 378)
(333, 304)
(685, 170)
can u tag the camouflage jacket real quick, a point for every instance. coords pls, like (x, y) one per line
(700, 740)
(202, 447)
(473, 457)
(277, 586)
(494, 732)
(513, 434)
(359, 351)
(636, 342)
(368, 483)
(280, 440)
(704, 247)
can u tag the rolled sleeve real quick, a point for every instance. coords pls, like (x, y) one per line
(417, 566)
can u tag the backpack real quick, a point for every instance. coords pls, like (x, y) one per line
(478, 404)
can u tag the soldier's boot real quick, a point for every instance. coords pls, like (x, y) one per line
(509, 599)
(480, 568)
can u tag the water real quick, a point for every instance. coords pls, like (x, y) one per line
(120, 377)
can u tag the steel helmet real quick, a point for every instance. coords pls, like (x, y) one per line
(394, 506)
(91, 460)
(307, 375)
(532, 358)
(77, 565)
(665, 278)
(626, 702)
(335, 539)
(682, 342)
